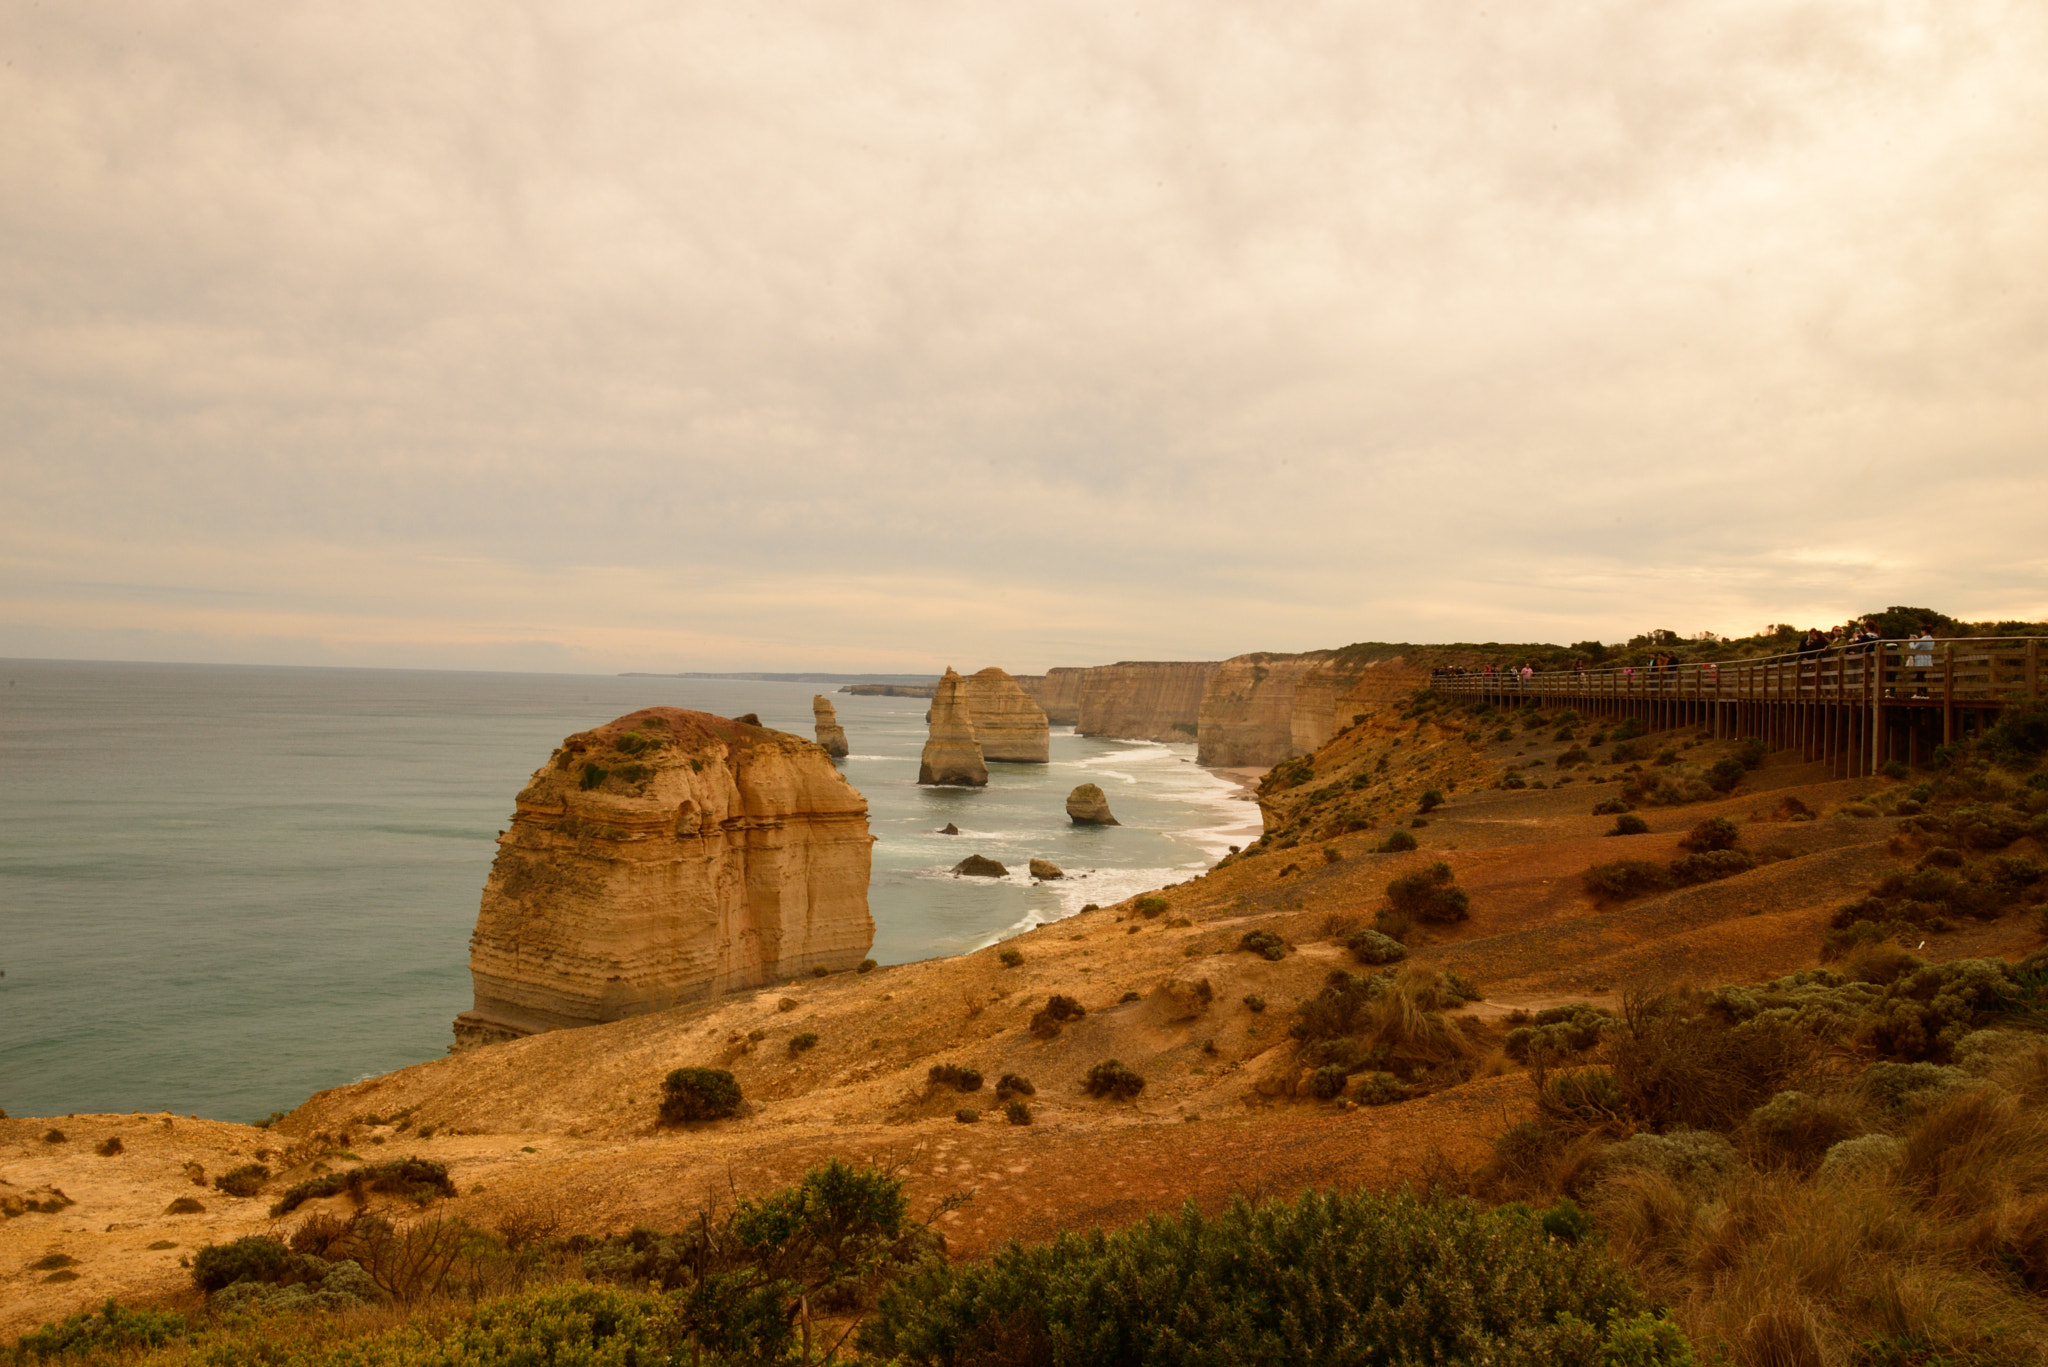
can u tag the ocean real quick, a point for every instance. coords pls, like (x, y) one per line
(223, 888)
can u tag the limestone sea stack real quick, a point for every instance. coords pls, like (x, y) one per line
(825, 718)
(952, 755)
(1008, 724)
(1086, 806)
(662, 858)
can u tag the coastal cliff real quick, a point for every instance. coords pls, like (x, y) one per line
(1142, 700)
(1057, 692)
(1007, 723)
(952, 754)
(1261, 708)
(662, 858)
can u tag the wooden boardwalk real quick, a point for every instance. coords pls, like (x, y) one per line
(1857, 707)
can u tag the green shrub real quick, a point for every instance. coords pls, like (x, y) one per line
(1628, 752)
(2019, 738)
(1011, 958)
(1705, 868)
(1111, 1079)
(1371, 947)
(1332, 855)
(1010, 1084)
(1328, 1081)
(1726, 774)
(1254, 1003)
(1429, 895)
(1750, 752)
(415, 1179)
(1017, 1113)
(799, 1043)
(952, 1075)
(1431, 799)
(246, 1180)
(1715, 833)
(1397, 842)
(1630, 728)
(1611, 806)
(1620, 879)
(1328, 1278)
(1151, 906)
(967, 1115)
(1573, 757)
(1628, 823)
(867, 966)
(110, 1331)
(252, 1258)
(1557, 1032)
(592, 777)
(1379, 1089)
(1263, 943)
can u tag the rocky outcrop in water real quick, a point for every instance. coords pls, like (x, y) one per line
(1261, 708)
(978, 866)
(825, 718)
(662, 858)
(1044, 870)
(1143, 700)
(1086, 806)
(952, 754)
(1008, 725)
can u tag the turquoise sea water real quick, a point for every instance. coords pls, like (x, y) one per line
(223, 888)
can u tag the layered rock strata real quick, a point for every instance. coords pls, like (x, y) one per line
(825, 718)
(952, 754)
(1057, 692)
(662, 858)
(1008, 725)
(1142, 700)
(1262, 708)
(1086, 806)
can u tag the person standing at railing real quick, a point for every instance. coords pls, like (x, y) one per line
(1920, 656)
(1814, 644)
(1527, 674)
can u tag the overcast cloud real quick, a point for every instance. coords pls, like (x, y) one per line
(886, 336)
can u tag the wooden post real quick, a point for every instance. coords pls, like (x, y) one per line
(2033, 668)
(1948, 697)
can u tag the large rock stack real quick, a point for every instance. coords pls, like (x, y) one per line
(662, 858)
(825, 718)
(952, 754)
(1008, 725)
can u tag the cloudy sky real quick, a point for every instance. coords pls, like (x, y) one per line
(604, 335)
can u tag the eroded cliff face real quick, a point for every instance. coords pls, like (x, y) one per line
(662, 858)
(1142, 700)
(1057, 692)
(952, 754)
(1263, 707)
(1007, 723)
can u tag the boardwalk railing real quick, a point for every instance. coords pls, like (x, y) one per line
(1856, 706)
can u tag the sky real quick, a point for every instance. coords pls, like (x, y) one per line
(626, 336)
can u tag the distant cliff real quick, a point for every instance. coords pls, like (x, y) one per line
(1143, 700)
(1057, 691)
(1261, 708)
(661, 858)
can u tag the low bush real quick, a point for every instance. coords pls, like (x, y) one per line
(415, 1179)
(1010, 1084)
(1011, 958)
(967, 1115)
(1620, 879)
(1151, 906)
(1611, 806)
(953, 1075)
(253, 1258)
(1017, 1113)
(1057, 1011)
(1111, 1079)
(1254, 1003)
(1397, 842)
(867, 966)
(799, 1043)
(1705, 868)
(1726, 774)
(1332, 855)
(1431, 799)
(246, 1180)
(1750, 752)
(1371, 947)
(1715, 833)
(1329, 1277)
(1628, 823)
(1630, 728)
(1263, 943)
(1429, 895)
(110, 1332)
(690, 1095)
(1558, 1032)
